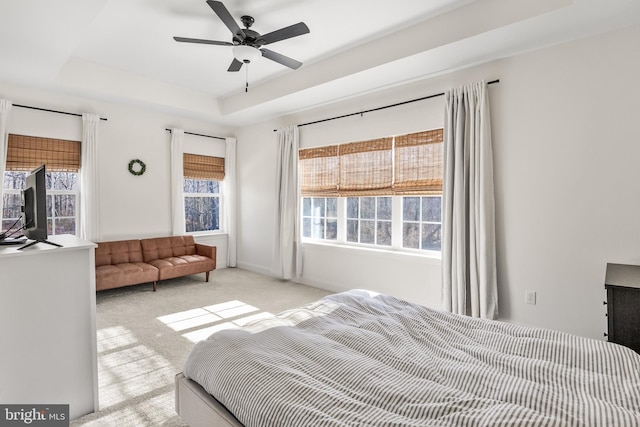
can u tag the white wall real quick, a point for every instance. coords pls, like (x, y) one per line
(566, 155)
(566, 150)
(130, 206)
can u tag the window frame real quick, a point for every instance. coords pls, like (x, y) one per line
(409, 165)
(421, 222)
(218, 195)
(51, 193)
(396, 228)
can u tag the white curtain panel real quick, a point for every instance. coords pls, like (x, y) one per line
(5, 110)
(177, 182)
(286, 261)
(89, 179)
(468, 223)
(229, 194)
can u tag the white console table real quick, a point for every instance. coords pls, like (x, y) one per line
(48, 325)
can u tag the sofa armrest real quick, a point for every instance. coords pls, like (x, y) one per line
(206, 250)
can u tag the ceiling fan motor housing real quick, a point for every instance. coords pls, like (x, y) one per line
(252, 38)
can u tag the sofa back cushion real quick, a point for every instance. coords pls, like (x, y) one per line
(167, 247)
(118, 252)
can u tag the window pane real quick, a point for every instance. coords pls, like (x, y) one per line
(352, 208)
(201, 213)
(317, 231)
(384, 208)
(62, 181)
(306, 226)
(49, 206)
(49, 227)
(66, 226)
(14, 180)
(367, 232)
(384, 233)
(431, 209)
(332, 207)
(332, 229)
(306, 206)
(352, 230)
(65, 205)
(368, 207)
(411, 208)
(318, 207)
(431, 237)
(411, 235)
(8, 223)
(11, 206)
(210, 186)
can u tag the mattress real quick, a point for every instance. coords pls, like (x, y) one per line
(358, 358)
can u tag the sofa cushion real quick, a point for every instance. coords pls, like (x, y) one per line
(183, 265)
(166, 247)
(124, 274)
(117, 252)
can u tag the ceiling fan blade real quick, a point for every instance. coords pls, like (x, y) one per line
(201, 41)
(235, 65)
(285, 33)
(281, 59)
(226, 18)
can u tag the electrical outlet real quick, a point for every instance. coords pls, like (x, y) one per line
(530, 297)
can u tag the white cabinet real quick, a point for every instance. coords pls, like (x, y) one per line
(48, 349)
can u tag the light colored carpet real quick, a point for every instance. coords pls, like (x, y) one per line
(144, 337)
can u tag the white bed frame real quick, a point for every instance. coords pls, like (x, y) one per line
(198, 408)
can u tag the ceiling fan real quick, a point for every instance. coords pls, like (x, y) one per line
(247, 44)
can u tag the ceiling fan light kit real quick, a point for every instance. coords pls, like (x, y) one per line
(247, 44)
(245, 54)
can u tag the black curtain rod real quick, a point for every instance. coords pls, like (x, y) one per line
(199, 134)
(382, 108)
(52, 111)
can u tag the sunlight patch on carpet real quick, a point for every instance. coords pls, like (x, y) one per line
(128, 369)
(212, 318)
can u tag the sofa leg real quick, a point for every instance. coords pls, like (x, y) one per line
(207, 276)
(154, 286)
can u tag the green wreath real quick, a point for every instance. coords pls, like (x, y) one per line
(140, 163)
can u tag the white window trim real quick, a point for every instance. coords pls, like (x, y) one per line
(52, 193)
(221, 204)
(396, 232)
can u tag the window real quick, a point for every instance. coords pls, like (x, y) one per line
(369, 220)
(201, 204)
(62, 160)
(421, 222)
(320, 217)
(384, 192)
(201, 191)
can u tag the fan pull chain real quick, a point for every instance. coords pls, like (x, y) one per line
(246, 71)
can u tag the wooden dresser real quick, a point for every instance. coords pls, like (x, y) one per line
(622, 283)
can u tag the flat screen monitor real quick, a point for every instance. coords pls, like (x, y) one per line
(34, 205)
(34, 208)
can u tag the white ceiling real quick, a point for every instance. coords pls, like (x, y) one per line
(123, 50)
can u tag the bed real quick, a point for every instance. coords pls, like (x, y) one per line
(358, 358)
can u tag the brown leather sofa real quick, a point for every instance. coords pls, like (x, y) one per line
(131, 262)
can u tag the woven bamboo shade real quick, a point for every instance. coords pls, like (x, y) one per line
(366, 168)
(406, 164)
(419, 163)
(25, 153)
(318, 169)
(203, 167)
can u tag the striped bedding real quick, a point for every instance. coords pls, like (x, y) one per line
(361, 359)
